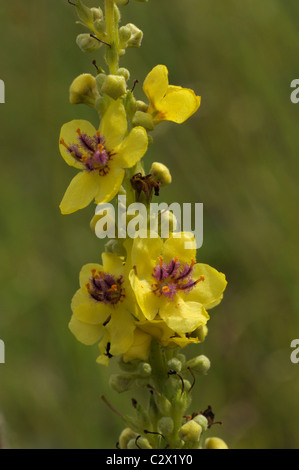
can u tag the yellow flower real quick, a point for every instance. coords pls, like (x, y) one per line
(104, 306)
(138, 349)
(168, 102)
(167, 281)
(101, 155)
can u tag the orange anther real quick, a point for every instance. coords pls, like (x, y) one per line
(202, 278)
(78, 131)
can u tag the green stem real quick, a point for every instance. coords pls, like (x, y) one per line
(112, 55)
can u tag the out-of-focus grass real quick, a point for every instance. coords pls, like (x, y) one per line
(238, 155)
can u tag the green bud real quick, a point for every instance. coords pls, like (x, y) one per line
(141, 106)
(125, 437)
(202, 421)
(97, 13)
(87, 43)
(135, 37)
(175, 364)
(165, 426)
(201, 333)
(115, 246)
(114, 86)
(124, 72)
(124, 36)
(144, 369)
(84, 90)
(160, 173)
(140, 443)
(163, 404)
(120, 383)
(144, 120)
(100, 78)
(181, 357)
(190, 432)
(200, 364)
(85, 14)
(101, 105)
(128, 366)
(130, 104)
(100, 26)
(215, 443)
(121, 2)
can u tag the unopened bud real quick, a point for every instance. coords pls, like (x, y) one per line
(100, 27)
(136, 36)
(160, 173)
(124, 72)
(144, 369)
(84, 90)
(140, 443)
(144, 120)
(175, 364)
(141, 106)
(201, 333)
(114, 86)
(125, 437)
(165, 426)
(202, 421)
(87, 43)
(215, 443)
(200, 364)
(121, 2)
(85, 14)
(97, 13)
(190, 432)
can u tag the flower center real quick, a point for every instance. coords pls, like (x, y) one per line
(104, 287)
(173, 277)
(90, 151)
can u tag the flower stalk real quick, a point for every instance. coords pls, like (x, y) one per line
(147, 298)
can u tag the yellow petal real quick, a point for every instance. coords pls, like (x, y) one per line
(148, 302)
(86, 334)
(178, 104)
(88, 310)
(209, 291)
(156, 84)
(177, 247)
(109, 184)
(121, 330)
(132, 149)
(69, 135)
(113, 264)
(140, 347)
(86, 272)
(183, 317)
(81, 191)
(113, 126)
(144, 254)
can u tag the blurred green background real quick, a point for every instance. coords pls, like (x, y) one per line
(238, 155)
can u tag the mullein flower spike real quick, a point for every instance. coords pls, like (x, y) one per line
(148, 298)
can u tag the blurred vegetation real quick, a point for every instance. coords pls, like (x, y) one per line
(238, 155)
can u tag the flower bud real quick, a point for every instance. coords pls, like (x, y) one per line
(124, 72)
(165, 426)
(200, 364)
(140, 443)
(84, 90)
(114, 86)
(87, 43)
(85, 14)
(141, 106)
(136, 36)
(160, 173)
(121, 2)
(190, 432)
(175, 364)
(201, 333)
(125, 437)
(97, 13)
(124, 36)
(144, 369)
(115, 246)
(163, 404)
(144, 120)
(100, 27)
(215, 443)
(202, 421)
